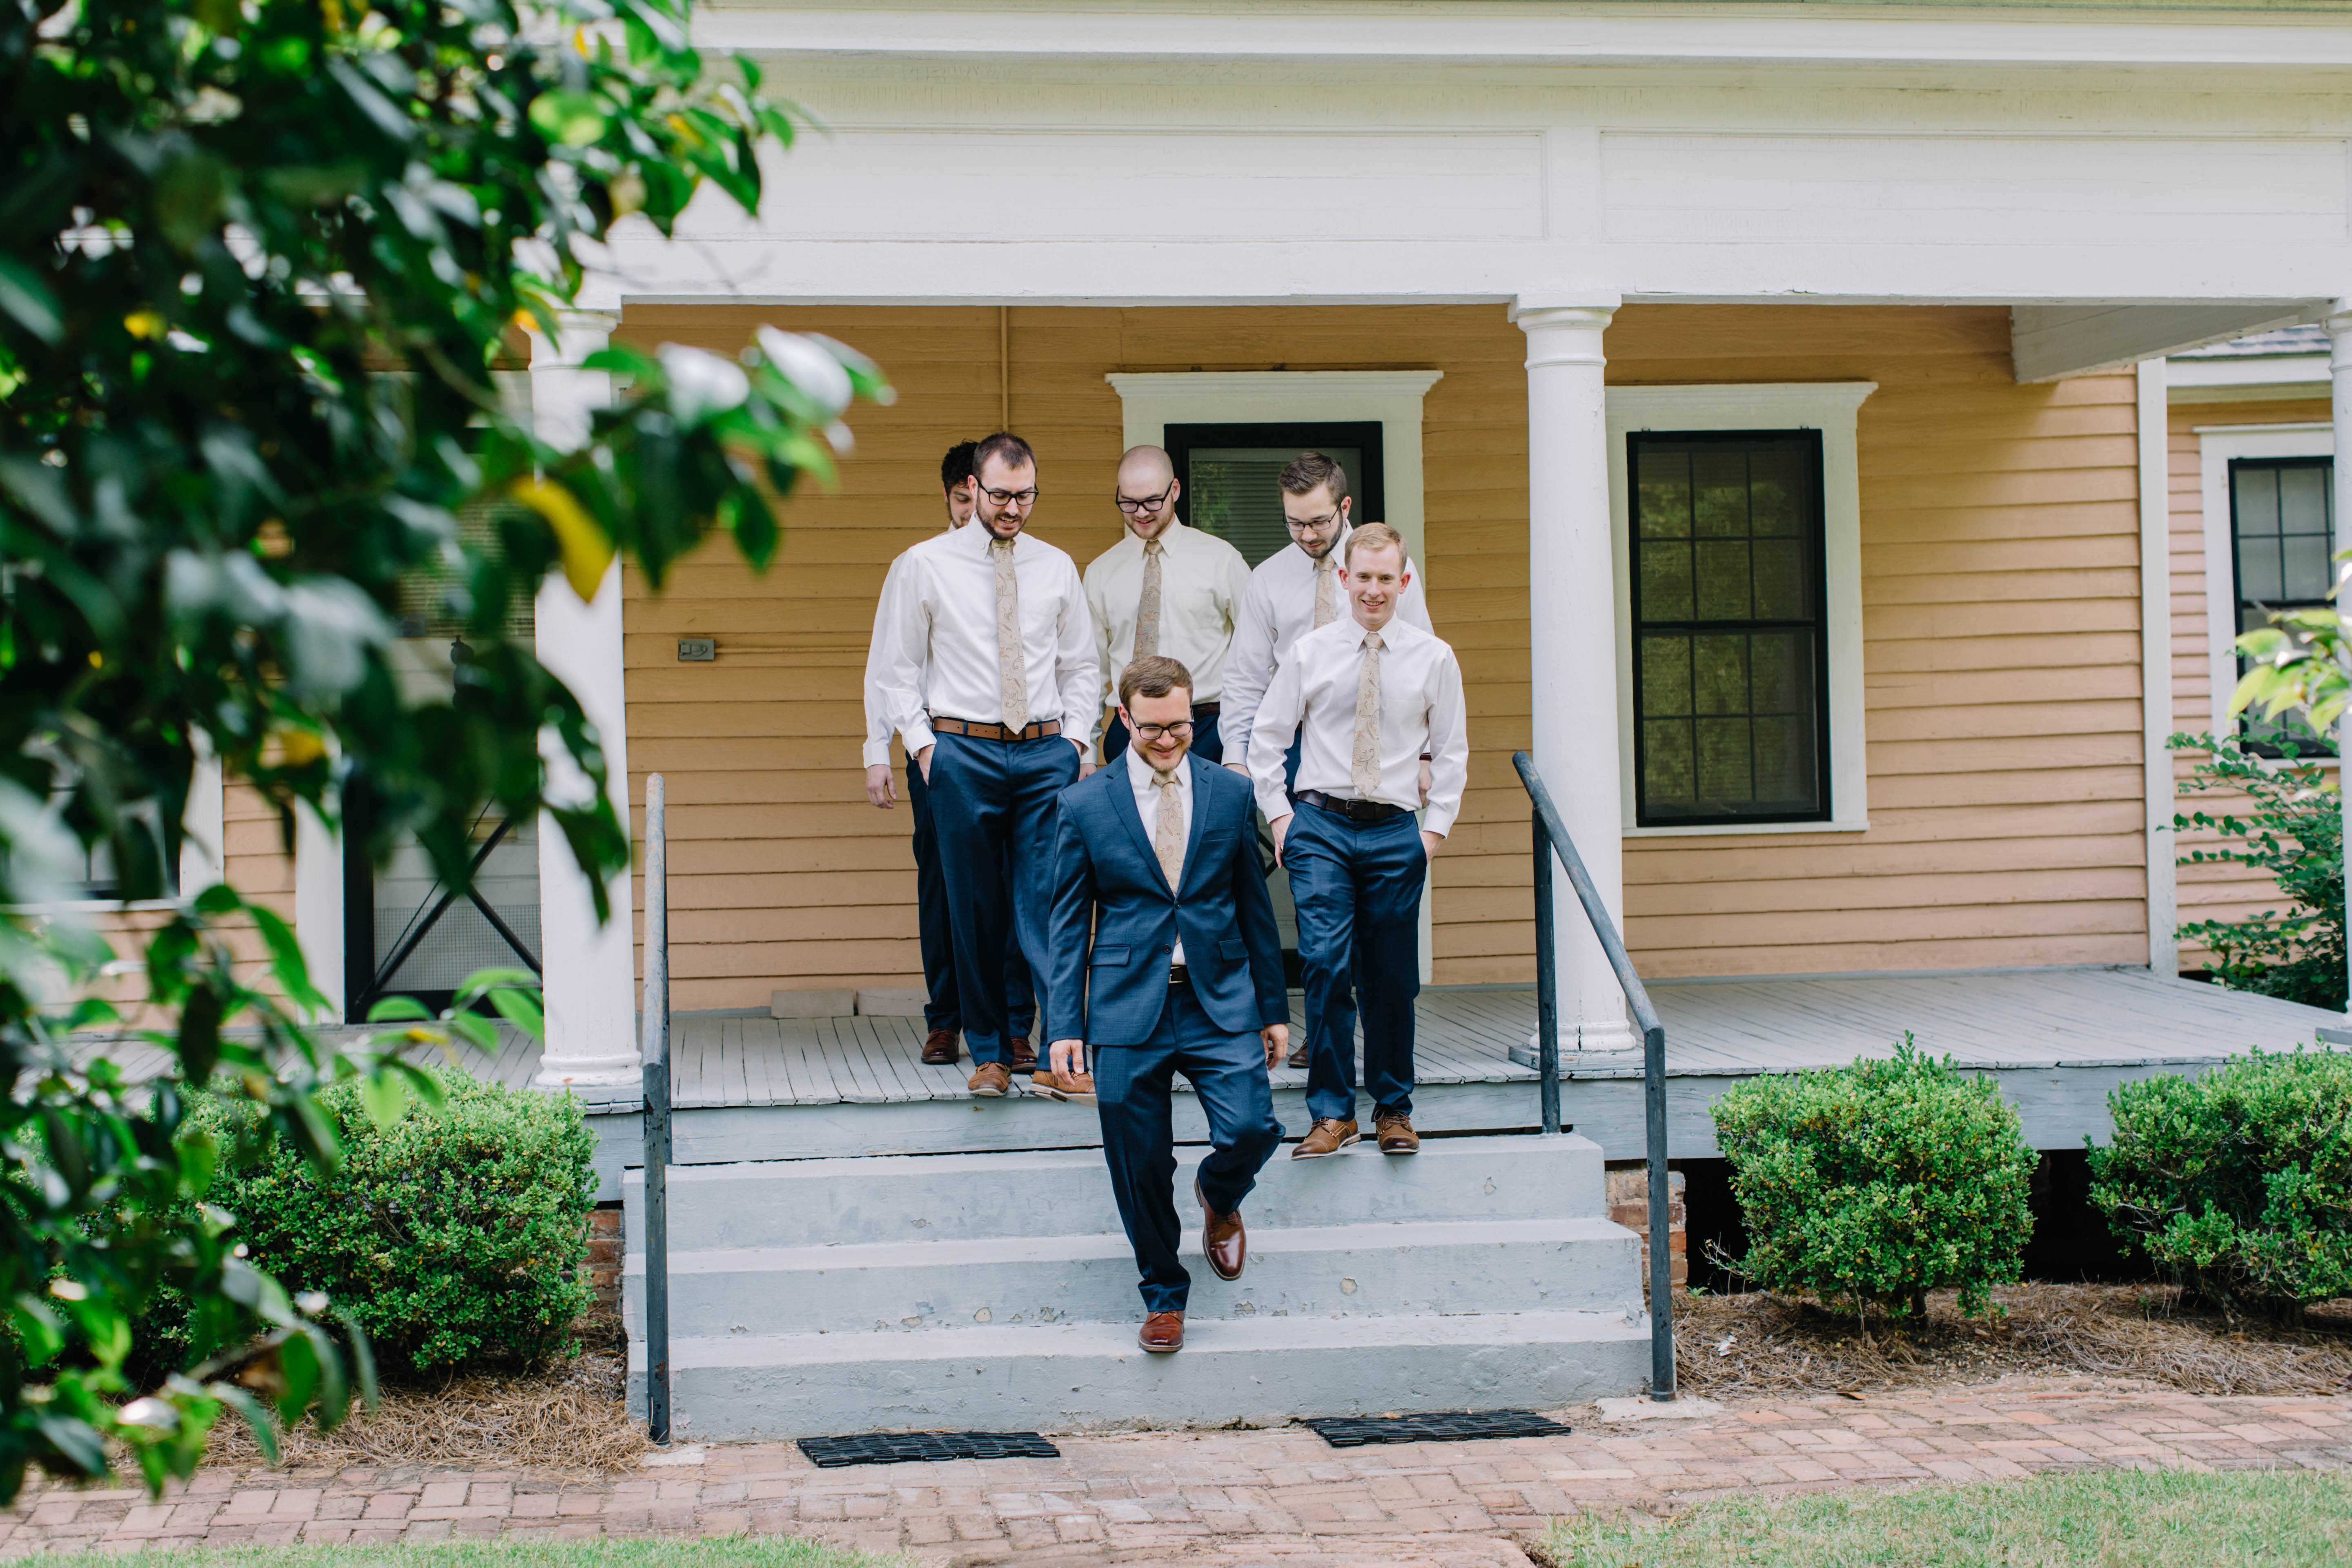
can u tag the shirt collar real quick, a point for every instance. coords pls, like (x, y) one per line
(975, 536)
(1168, 545)
(1139, 772)
(1390, 636)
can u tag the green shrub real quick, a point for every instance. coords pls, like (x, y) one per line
(1877, 1182)
(455, 1235)
(2290, 828)
(2241, 1178)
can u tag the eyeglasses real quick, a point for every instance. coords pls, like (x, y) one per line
(1130, 506)
(1181, 729)
(1311, 524)
(1012, 498)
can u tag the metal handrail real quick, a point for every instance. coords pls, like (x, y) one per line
(1552, 839)
(655, 1031)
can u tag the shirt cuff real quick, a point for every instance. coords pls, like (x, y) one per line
(1274, 802)
(917, 736)
(1439, 819)
(877, 753)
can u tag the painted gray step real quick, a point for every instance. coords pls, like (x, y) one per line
(1447, 1266)
(1261, 1371)
(915, 1198)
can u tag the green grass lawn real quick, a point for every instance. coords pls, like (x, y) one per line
(2125, 1519)
(740, 1551)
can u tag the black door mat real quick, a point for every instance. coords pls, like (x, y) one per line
(906, 1448)
(1439, 1426)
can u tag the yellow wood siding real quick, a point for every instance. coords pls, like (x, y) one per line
(2000, 613)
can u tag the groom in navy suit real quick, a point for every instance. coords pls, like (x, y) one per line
(1163, 955)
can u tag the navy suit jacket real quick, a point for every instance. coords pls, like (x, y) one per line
(1112, 990)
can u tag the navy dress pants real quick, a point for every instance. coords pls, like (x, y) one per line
(1206, 742)
(992, 808)
(1133, 1085)
(941, 1007)
(1357, 886)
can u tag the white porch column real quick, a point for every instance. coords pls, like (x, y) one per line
(1572, 639)
(2339, 373)
(591, 970)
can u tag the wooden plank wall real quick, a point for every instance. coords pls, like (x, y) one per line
(2210, 892)
(2000, 581)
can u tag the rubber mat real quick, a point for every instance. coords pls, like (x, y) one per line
(1439, 1426)
(906, 1448)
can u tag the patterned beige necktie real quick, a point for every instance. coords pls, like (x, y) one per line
(1147, 614)
(1326, 593)
(1011, 669)
(1168, 831)
(1364, 772)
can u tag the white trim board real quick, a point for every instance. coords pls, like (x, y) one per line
(2153, 427)
(2217, 444)
(1831, 407)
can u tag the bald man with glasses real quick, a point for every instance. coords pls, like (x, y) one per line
(1164, 590)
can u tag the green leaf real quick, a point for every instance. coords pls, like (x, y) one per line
(25, 296)
(396, 1009)
(518, 1008)
(77, 1442)
(569, 119)
(385, 1095)
(479, 1031)
(256, 1414)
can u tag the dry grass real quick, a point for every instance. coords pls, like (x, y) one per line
(1755, 1345)
(573, 1416)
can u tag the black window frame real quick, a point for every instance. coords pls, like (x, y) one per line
(1818, 624)
(1368, 488)
(2308, 747)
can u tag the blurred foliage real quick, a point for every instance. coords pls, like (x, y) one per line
(2290, 828)
(259, 260)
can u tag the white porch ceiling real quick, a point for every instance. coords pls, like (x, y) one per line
(2050, 342)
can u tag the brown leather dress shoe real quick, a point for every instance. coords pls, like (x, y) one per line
(1297, 1056)
(1327, 1136)
(942, 1048)
(1396, 1135)
(1162, 1333)
(990, 1081)
(1024, 1055)
(1223, 1241)
(1071, 1088)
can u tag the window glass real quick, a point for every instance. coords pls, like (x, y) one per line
(2283, 527)
(1729, 685)
(1233, 494)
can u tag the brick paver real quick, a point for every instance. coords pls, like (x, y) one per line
(1220, 1497)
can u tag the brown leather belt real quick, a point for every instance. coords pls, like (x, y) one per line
(1353, 810)
(1180, 975)
(1201, 709)
(971, 730)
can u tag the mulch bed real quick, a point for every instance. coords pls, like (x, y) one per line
(1754, 1345)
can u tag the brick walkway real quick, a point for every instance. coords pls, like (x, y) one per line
(1225, 1498)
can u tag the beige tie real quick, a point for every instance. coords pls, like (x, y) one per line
(1327, 596)
(1364, 772)
(1167, 832)
(1147, 614)
(1011, 669)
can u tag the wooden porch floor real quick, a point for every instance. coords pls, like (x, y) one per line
(2057, 1039)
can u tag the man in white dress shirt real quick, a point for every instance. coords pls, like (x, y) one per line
(990, 680)
(1366, 697)
(1164, 589)
(942, 1008)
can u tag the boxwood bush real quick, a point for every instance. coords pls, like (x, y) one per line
(455, 1235)
(1875, 1183)
(2239, 1179)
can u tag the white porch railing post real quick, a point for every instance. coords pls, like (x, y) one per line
(591, 969)
(1572, 642)
(2339, 375)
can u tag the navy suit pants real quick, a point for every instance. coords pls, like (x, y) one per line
(943, 1009)
(992, 808)
(1133, 1085)
(1206, 743)
(1357, 886)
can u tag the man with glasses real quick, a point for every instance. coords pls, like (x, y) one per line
(943, 1009)
(989, 677)
(1164, 589)
(1166, 959)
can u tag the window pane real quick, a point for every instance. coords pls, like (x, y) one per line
(1664, 495)
(1725, 768)
(1777, 491)
(2257, 501)
(1719, 674)
(1665, 677)
(2259, 577)
(2281, 516)
(1720, 480)
(1666, 761)
(1665, 581)
(2305, 573)
(1723, 580)
(1233, 494)
(2303, 499)
(1781, 672)
(1784, 763)
(1780, 583)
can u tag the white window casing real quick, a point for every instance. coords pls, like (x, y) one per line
(1832, 408)
(2217, 447)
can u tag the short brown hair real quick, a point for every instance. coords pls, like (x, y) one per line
(1309, 471)
(1374, 536)
(1153, 675)
(1006, 449)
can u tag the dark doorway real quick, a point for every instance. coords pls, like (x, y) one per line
(1228, 472)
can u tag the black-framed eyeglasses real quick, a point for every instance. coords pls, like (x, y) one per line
(1009, 498)
(1153, 732)
(1311, 524)
(1130, 505)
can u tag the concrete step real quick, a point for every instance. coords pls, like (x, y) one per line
(1445, 1265)
(916, 1198)
(1261, 1371)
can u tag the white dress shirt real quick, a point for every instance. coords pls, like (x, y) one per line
(935, 637)
(1201, 582)
(1277, 611)
(880, 724)
(1421, 710)
(1139, 775)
